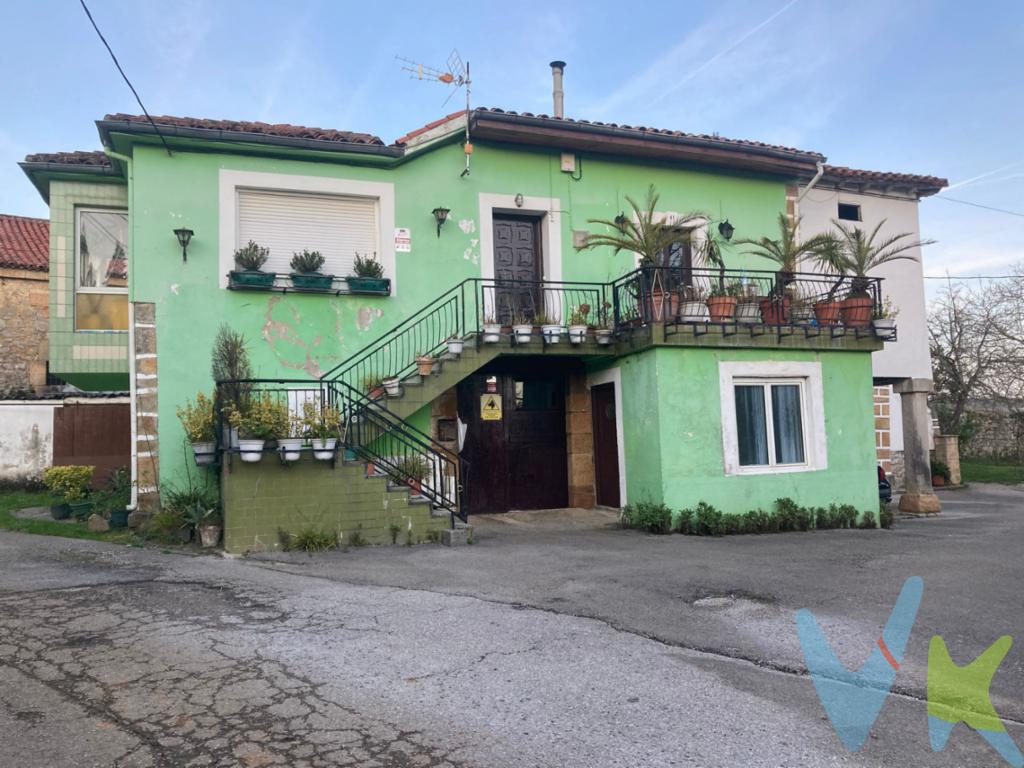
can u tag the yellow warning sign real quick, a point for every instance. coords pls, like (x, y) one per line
(490, 407)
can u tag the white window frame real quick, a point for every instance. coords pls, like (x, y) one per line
(79, 210)
(812, 413)
(230, 181)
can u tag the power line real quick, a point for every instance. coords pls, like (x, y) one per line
(940, 196)
(970, 277)
(129, 82)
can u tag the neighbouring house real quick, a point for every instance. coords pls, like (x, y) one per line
(902, 371)
(630, 394)
(24, 302)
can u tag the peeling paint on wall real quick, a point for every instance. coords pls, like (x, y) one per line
(365, 317)
(285, 337)
(26, 440)
(467, 225)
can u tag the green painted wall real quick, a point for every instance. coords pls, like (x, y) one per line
(672, 424)
(300, 335)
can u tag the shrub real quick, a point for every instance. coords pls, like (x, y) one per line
(252, 257)
(793, 517)
(885, 516)
(197, 419)
(72, 481)
(759, 521)
(940, 468)
(311, 540)
(307, 262)
(410, 468)
(647, 516)
(368, 266)
(164, 526)
(117, 493)
(708, 521)
(264, 417)
(320, 423)
(685, 521)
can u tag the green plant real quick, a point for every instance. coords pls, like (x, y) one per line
(886, 311)
(198, 419)
(708, 521)
(411, 468)
(230, 368)
(307, 262)
(372, 382)
(859, 253)
(357, 539)
(886, 517)
(116, 494)
(311, 539)
(394, 529)
(647, 516)
(941, 469)
(202, 513)
(251, 257)
(685, 521)
(543, 318)
(787, 250)
(580, 315)
(644, 233)
(72, 481)
(164, 526)
(368, 266)
(264, 418)
(721, 288)
(320, 423)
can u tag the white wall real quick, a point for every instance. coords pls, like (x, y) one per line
(26, 438)
(908, 356)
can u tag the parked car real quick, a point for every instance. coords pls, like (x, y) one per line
(884, 486)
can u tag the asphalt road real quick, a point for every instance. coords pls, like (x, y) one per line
(553, 641)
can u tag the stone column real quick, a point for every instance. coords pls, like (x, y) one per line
(947, 450)
(579, 443)
(918, 496)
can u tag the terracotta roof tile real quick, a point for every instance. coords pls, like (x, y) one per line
(440, 121)
(840, 172)
(96, 158)
(24, 243)
(245, 126)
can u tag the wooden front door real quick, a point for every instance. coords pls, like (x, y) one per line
(517, 267)
(518, 461)
(606, 445)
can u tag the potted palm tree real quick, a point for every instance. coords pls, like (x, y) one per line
(859, 253)
(306, 271)
(248, 272)
(649, 236)
(786, 251)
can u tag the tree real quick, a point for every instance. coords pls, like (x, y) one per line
(858, 252)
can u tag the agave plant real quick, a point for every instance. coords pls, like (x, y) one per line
(857, 251)
(788, 250)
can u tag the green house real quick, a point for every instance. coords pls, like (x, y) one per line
(480, 224)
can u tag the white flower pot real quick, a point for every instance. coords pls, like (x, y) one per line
(885, 327)
(693, 311)
(577, 334)
(393, 386)
(455, 346)
(323, 448)
(290, 447)
(205, 453)
(251, 450)
(209, 535)
(523, 333)
(748, 312)
(552, 333)
(492, 333)
(604, 336)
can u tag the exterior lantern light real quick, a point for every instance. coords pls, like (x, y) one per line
(620, 222)
(440, 216)
(184, 238)
(725, 229)
(519, 200)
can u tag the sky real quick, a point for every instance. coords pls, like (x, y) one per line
(933, 87)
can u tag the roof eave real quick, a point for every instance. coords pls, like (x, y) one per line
(40, 174)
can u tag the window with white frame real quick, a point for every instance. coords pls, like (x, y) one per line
(101, 269)
(773, 417)
(339, 226)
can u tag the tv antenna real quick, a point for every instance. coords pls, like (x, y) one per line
(456, 75)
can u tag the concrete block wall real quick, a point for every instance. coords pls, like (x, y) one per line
(261, 499)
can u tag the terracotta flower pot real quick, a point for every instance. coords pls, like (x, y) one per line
(662, 305)
(721, 308)
(938, 481)
(424, 364)
(857, 311)
(828, 312)
(775, 310)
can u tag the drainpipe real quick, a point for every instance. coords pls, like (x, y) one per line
(557, 69)
(814, 180)
(133, 503)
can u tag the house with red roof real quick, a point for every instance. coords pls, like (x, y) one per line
(24, 303)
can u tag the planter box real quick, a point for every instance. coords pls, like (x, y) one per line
(244, 278)
(312, 281)
(885, 327)
(492, 333)
(290, 447)
(80, 509)
(119, 518)
(60, 511)
(376, 286)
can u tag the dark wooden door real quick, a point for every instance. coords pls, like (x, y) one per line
(517, 267)
(519, 461)
(606, 445)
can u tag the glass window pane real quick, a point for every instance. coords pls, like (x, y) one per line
(102, 249)
(101, 312)
(751, 426)
(535, 395)
(789, 434)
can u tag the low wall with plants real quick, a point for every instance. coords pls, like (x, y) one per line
(310, 504)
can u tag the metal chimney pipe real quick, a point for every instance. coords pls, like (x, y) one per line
(557, 69)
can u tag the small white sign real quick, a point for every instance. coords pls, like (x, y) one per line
(403, 240)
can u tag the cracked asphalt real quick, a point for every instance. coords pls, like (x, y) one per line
(554, 641)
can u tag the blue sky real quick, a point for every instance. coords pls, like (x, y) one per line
(925, 87)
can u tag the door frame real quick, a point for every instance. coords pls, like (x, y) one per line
(613, 376)
(547, 209)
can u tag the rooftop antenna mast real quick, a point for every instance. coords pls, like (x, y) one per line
(456, 75)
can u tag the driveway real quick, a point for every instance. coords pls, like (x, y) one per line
(555, 640)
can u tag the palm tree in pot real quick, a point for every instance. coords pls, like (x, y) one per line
(649, 236)
(859, 252)
(787, 251)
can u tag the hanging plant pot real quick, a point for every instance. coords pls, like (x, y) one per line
(290, 447)
(323, 447)
(251, 450)
(748, 312)
(492, 333)
(250, 278)
(424, 364)
(523, 332)
(885, 327)
(604, 336)
(775, 310)
(552, 333)
(828, 312)
(205, 453)
(393, 386)
(857, 311)
(375, 286)
(312, 281)
(693, 311)
(577, 334)
(721, 309)
(455, 345)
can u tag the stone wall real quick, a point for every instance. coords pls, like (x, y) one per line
(24, 301)
(147, 442)
(579, 439)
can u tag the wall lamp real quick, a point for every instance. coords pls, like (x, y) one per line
(184, 238)
(621, 221)
(440, 216)
(725, 229)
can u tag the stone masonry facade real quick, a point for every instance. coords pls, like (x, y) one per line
(24, 301)
(147, 443)
(579, 436)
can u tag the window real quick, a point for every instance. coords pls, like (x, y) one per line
(101, 270)
(769, 423)
(849, 212)
(536, 394)
(285, 222)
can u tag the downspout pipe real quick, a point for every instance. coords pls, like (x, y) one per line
(814, 180)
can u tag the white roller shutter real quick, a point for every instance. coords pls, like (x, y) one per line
(286, 222)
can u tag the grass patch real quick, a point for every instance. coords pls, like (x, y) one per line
(10, 501)
(987, 472)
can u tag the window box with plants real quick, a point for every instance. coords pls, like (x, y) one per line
(74, 484)
(322, 425)
(369, 277)
(579, 322)
(260, 419)
(306, 275)
(248, 272)
(884, 320)
(197, 418)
